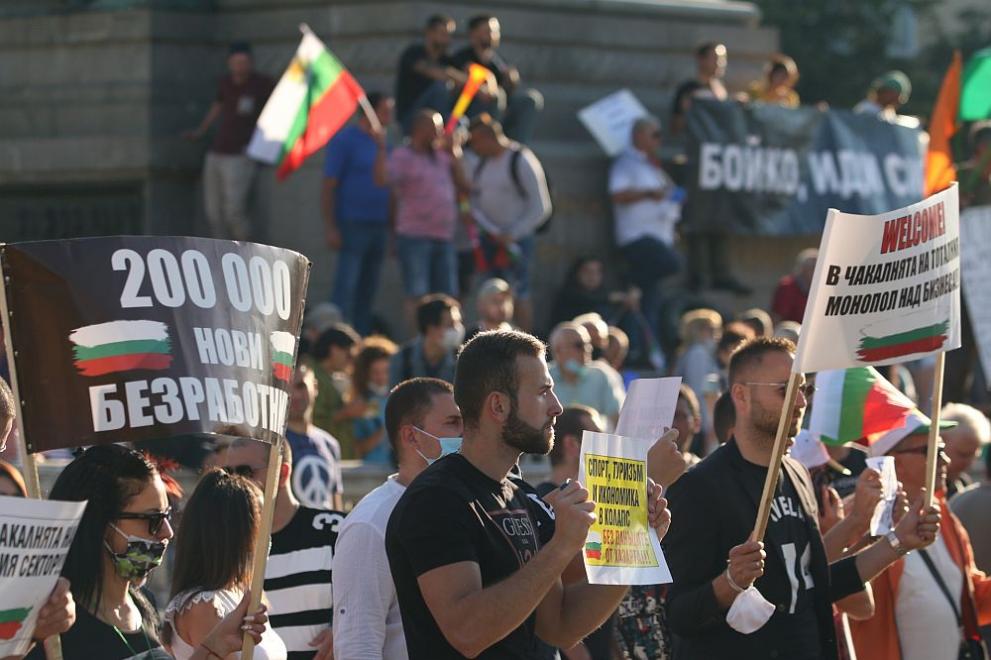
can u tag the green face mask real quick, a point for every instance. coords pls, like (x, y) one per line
(139, 558)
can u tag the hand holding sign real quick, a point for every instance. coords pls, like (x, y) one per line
(745, 564)
(918, 528)
(573, 515)
(665, 462)
(58, 614)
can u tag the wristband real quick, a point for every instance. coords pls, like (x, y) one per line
(211, 652)
(729, 578)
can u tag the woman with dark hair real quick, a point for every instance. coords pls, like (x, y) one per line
(369, 392)
(213, 563)
(122, 536)
(584, 291)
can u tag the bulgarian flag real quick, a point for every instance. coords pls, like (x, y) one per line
(106, 348)
(923, 339)
(313, 99)
(11, 621)
(283, 349)
(593, 546)
(857, 404)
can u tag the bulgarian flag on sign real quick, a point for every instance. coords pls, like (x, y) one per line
(106, 348)
(313, 99)
(283, 349)
(11, 620)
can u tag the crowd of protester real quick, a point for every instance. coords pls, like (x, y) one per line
(456, 554)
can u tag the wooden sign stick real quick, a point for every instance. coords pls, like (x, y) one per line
(932, 453)
(260, 557)
(53, 645)
(774, 467)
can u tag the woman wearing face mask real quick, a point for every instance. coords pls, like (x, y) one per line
(121, 538)
(213, 565)
(369, 392)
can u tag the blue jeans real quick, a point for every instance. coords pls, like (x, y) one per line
(651, 260)
(428, 265)
(359, 265)
(517, 273)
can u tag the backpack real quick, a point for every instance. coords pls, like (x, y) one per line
(514, 174)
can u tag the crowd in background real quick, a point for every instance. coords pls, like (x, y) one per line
(462, 212)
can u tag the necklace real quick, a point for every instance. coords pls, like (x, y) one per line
(124, 639)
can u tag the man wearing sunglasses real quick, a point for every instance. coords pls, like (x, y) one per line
(931, 603)
(715, 507)
(298, 572)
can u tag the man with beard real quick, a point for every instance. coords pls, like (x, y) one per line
(476, 556)
(716, 507)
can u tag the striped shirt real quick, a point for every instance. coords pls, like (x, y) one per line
(298, 579)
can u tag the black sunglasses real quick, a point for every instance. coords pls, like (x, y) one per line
(923, 450)
(155, 519)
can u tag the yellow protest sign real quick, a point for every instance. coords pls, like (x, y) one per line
(621, 548)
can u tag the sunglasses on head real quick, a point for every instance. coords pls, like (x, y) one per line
(922, 450)
(155, 518)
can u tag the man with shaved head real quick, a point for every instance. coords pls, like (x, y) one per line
(578, 379)
(425, 176)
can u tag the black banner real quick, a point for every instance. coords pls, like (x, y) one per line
(767, 170)
(138, 338)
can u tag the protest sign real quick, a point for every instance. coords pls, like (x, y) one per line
(975, 268)
(621, 547)
(886, 288)
(35, 536)
(882, 520)
(648, 408)
(134, 338)
(610, 120)
(767, 170)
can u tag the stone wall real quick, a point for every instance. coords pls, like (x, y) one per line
(92, 101)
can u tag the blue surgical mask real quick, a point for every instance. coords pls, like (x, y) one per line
(575, 367)
(447, 446)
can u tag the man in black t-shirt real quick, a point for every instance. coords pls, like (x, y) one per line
(476, 555)
(427, 74)
(715, 505)
(516, 107)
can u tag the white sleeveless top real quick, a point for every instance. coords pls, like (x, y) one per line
(224, 601)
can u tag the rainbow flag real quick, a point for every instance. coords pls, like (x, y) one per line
(313, 99)
(11, 620)
(919, 340)
(116, 346)
(283, 350)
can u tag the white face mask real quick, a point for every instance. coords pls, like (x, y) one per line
(453, 337)
(447, 446)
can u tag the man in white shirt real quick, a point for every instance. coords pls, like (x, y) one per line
(646, 208)
(509, 202)
(422, 421)
(577, 379)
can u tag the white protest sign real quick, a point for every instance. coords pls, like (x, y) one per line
(975, 265)
(621, 547)
(648, 408)
(610, 120)
(35, 536)
(886, 287)
(882, 521)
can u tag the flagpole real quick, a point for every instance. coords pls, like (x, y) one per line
(932, 452)
(370, 113)
(777, 453)
(260, 556)
(53, 644)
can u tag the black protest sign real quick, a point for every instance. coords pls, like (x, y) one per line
(137, 338)
(767, 170)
